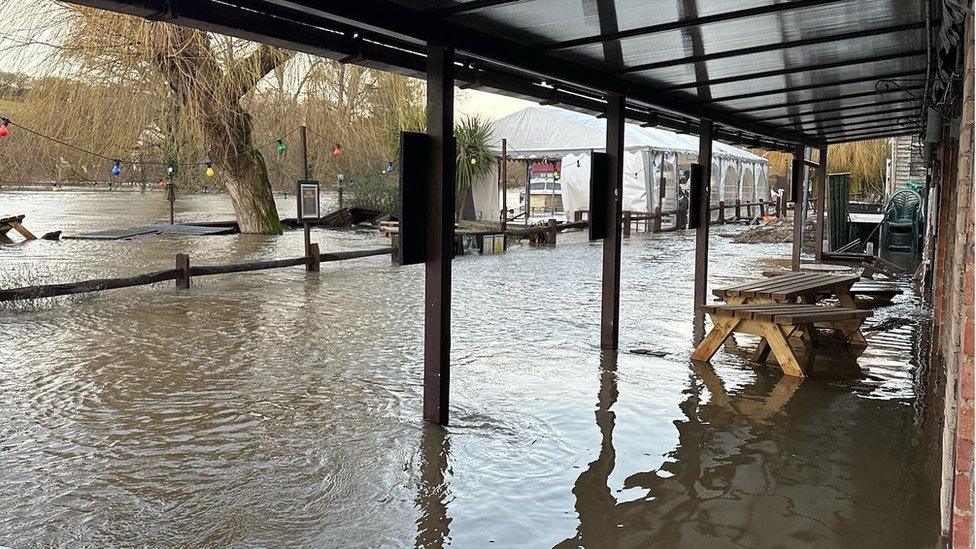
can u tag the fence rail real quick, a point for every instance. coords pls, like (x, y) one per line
(181, 274)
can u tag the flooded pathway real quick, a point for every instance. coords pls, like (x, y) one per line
(271, 409)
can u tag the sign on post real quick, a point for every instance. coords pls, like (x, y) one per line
(308, 200)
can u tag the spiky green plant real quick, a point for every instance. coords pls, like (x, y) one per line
(474, 159)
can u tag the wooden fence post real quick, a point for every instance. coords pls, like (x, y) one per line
(313, 257)
(721, 212)
(762, 209)
(627, 223)
(183, 266)
(738, 209)
(656, 224)
(552, 232)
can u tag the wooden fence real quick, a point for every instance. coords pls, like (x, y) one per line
(181, 274)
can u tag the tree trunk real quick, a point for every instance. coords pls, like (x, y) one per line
(188, 62)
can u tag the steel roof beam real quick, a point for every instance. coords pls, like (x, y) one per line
(836, 109)
(823, 99)
(685, 23)
(774, 46)
(848, 139)
(797, 70)
(858, 126)
(473, 5)
(889, 76)
(860, 115)
(870, 131)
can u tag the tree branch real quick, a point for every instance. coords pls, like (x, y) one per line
(248, 72)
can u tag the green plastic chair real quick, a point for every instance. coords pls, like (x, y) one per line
(903, 215)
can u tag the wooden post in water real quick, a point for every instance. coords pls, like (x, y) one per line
(738, 209)
(799, 190)
(818, 245)
(762, 209)
(627, 222)
(552, 232)
(656, 224)
(610, 312)
(183, 266)
(303, 155)
(721, 212)
(171, 197)
(440, 233)
(313, 258)
(504, 183)
(701, 233)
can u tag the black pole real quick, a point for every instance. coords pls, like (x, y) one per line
(303, 149)
(528, 190)
(610, 315)
(503, 175)
(440, 234)
(799, 203)
(704, 213)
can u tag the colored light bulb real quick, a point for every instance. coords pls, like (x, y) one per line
(117, 168)
(337, 151)
(281, 147)
(4, 132)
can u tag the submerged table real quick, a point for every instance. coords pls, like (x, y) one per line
(776, 323)
(781, 307)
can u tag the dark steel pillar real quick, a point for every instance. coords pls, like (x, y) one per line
(704, 213)
(303, 156)
(440, 234)
(799, 202)
(503, 174)
(610, 315)
(818, 246)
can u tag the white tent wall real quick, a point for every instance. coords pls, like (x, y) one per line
(486, 196)
(636, 182)
(575, 180)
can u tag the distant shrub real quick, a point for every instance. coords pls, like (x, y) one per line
(380, 193)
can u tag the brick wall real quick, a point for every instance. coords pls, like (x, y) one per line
(953, 305)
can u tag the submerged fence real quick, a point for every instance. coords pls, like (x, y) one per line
(182, 274)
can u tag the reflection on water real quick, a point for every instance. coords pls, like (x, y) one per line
(275, 409)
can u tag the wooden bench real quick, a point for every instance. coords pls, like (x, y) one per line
(869, 294)
(777, 324)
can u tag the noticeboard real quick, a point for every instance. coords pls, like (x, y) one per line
(308, 200)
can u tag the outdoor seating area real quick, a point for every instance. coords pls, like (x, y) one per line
(789, 309)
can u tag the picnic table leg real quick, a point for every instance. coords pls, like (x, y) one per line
(847, 301)
(781, 350)
(22, 230)
(762, 351)
(720, 332)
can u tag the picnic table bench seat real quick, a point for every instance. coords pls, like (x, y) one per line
(777, 324)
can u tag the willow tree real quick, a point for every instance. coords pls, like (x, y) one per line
(207, 75)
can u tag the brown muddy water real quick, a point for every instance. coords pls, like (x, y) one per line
(274, 410)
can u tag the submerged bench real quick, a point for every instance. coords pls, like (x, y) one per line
(777, 324)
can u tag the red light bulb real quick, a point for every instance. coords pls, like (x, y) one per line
(337, 151)
(4, 132)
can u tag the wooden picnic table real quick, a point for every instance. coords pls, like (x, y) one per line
(863, 294)
(792, 287)
(777, 324)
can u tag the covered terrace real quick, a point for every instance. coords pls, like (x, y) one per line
(791, 76)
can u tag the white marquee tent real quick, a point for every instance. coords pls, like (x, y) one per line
(540, 132)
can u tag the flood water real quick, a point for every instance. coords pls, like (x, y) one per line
(272, 409)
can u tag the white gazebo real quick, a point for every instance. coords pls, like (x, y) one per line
(540, 132)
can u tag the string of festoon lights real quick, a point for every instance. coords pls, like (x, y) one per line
(171, 167)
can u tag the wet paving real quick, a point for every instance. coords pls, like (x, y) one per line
(275, 409)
